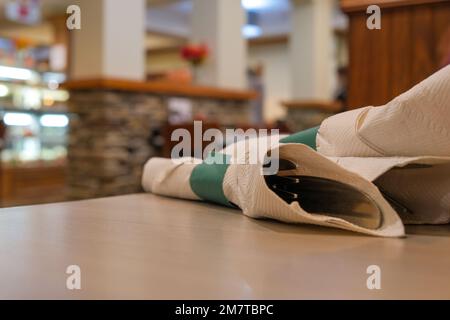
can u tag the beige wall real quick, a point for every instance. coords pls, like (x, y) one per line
(42, 34)
(165, 61)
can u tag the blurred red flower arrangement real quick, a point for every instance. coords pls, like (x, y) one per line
(195, 54)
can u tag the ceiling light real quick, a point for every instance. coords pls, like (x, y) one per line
(251, 31)
(255, 4)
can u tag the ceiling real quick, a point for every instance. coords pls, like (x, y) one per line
(170, 19)
(49, 7)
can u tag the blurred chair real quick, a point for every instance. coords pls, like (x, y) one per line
(169, 144)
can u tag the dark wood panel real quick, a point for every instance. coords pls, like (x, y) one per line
(401, 51)
(413, 43)
(359, 5)
(32, 185)
(360, 61)
(423, 44)
(441, 32)
(381, 62)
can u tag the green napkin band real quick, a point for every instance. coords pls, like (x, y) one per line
(207, 178)
(307, 137)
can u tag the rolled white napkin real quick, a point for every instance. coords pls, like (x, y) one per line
(403, 146)
(244, 186)
(371, 164)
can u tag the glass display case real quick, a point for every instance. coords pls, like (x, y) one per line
(33, 109)
(33, 114)
(34, 136)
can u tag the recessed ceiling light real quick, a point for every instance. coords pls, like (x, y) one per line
(255, 4)
(251, 31)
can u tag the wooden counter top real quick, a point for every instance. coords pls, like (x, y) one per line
(148, 247)
(361, 5)
(34, 164)
(161, 88)
(327, 106)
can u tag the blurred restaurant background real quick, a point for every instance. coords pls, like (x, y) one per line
(82, 109)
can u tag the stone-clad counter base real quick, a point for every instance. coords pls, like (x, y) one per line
(108, 141)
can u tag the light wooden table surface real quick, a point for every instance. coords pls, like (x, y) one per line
(146, 247)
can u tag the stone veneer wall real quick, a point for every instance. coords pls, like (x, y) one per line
(299, 119)
(109, 137)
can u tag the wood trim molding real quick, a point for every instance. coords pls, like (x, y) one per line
(161, 88)
(165, 50)
(268, 40)
(260, 41)
(361, 5)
